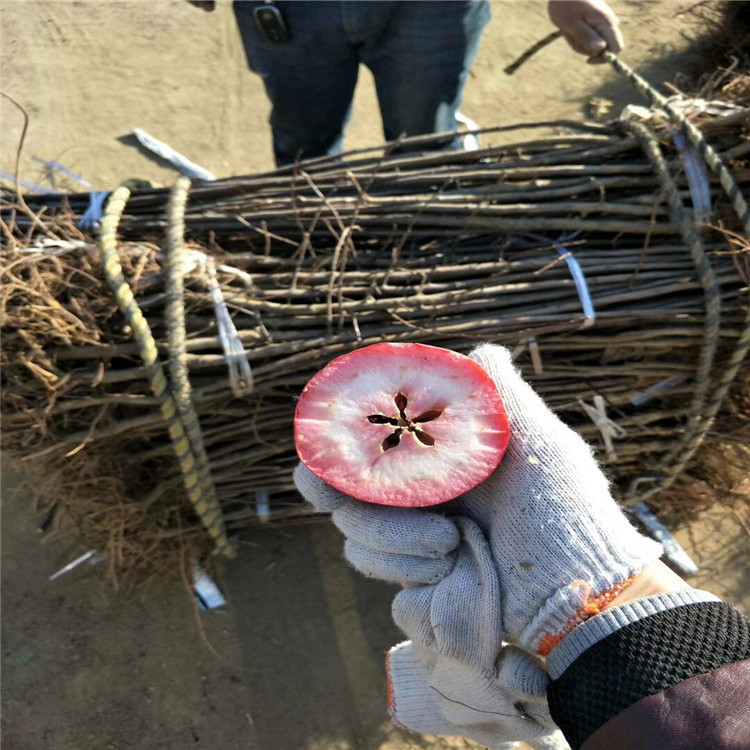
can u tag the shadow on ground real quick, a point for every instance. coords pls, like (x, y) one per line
(313, 658)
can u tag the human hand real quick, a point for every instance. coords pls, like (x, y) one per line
(455, 676)
(560, 550)
(561, 546)
(207, 5)
(589, 26)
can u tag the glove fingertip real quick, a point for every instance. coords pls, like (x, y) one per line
(497, 363)
(495, 354)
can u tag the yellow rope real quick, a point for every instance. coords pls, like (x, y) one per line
(207, 508)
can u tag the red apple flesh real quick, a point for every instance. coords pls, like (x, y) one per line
(408, 425)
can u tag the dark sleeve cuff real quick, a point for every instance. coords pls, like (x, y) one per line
(642, 659)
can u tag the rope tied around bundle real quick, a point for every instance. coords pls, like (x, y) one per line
(704, 408)
(692, 239)
(694, 135)
(175, 405)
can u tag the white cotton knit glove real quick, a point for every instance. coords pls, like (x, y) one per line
(559, 541)
(559, 545)
(455, 676)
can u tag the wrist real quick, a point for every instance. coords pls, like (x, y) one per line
(655, 578)
(597, 574)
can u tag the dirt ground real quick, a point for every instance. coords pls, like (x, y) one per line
(89, 72)
(301, 644)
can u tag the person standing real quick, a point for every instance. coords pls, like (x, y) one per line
(419, 52)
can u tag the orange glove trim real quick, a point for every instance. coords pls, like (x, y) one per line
(592, 605)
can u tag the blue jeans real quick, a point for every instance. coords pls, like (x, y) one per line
(419, 53)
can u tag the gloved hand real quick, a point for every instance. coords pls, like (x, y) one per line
(589, 26)
(558, 540)
(559, 545)
(455, 676)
